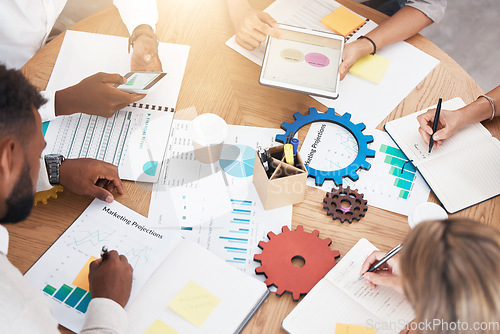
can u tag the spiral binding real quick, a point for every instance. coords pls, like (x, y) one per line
(151, 107)
(355, 31)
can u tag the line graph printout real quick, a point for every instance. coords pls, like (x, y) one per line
(385, 185)
(216, 205)
(132, 139)
(61, 274)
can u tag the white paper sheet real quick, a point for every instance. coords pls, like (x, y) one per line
(83, 54)
(367, 101)
(101, 224)
(383, 185)
(217, 205)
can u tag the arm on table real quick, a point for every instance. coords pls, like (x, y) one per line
(450, 121)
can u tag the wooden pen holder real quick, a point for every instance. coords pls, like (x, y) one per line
(287, 183)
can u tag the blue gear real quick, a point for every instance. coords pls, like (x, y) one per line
(345, 120)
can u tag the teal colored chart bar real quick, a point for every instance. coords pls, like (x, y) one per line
(63, 292)
(237, 201)
(403, 184)
(75, 297)
(49, 290)
(84, 304)
(392, 151)
(405, 175)
(404, 194)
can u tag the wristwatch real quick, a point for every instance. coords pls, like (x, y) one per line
(52, 162)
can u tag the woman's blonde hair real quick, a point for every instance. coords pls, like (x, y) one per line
(451, 275)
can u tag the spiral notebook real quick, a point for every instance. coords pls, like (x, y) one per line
(134, 139)
(463, 171)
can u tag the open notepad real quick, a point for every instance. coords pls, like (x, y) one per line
(341, 298)
(463, 171)
(172, 299)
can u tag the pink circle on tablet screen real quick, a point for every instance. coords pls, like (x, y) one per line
(317, 60)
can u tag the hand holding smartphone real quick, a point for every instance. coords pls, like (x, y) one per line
(141, 82)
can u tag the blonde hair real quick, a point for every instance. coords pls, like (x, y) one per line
(451, 272)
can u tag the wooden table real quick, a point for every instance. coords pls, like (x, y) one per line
(221, 81)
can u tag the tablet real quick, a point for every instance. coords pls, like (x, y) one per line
(303, 60)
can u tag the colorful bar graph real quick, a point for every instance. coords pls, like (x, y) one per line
(403, 171)
(75, 297)
(84, 304)
(49, 290)
(63, 292)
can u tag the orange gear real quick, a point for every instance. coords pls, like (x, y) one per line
(44, 196)
(333, 204)
(278, 252)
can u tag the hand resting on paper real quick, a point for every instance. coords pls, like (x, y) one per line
(251, 26)
(90, 177)
(95, 95)
(111, 278)
(352, 53)
(145, 55)
(389, 274)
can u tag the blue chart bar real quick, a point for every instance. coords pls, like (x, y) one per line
(236, 260)
(186, 228)
(240, 202)
(235, 250)
(234, 239)
(242, 212)
(240, 221)
(241, 230)
(75, 297)
(84, 304)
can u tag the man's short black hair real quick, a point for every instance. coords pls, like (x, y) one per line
(18, 97)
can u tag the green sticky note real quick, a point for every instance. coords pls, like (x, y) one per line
(371, 68)
(159, 327)
(194, 303)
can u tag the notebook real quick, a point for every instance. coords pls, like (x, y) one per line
(342, 21)
(194, 291)
(177, 283)
(134, 139)
(340, 298)
(463, 171)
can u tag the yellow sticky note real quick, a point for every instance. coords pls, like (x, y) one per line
(82, 279)
(159, 327)
(371, 68)
(352, 329)
(194, 303)
(342, 21)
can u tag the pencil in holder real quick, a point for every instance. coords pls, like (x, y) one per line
(287, 183)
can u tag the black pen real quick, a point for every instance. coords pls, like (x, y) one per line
(104, 253)
(386, 258)
(435, 125)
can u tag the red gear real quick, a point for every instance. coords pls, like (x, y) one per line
(277, 266)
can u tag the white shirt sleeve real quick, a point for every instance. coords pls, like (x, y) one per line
(137, 12)
(48, 110)
(105, 316)
(43, 178)
(433, 9)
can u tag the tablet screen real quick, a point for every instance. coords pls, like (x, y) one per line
(139, 80)
(303, 60)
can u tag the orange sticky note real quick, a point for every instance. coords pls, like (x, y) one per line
(352, 329)
(342, 21)
(82, 279)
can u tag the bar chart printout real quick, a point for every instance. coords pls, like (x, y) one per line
(236, 238)
(401, 169)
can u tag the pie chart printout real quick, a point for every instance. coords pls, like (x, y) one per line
(237, 160)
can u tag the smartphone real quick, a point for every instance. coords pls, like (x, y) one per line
(141, 82)
(305, 61)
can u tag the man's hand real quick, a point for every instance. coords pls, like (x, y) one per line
(145, 55)
(90, 177)
(389, 274)
(111, 278)
(95, 95)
